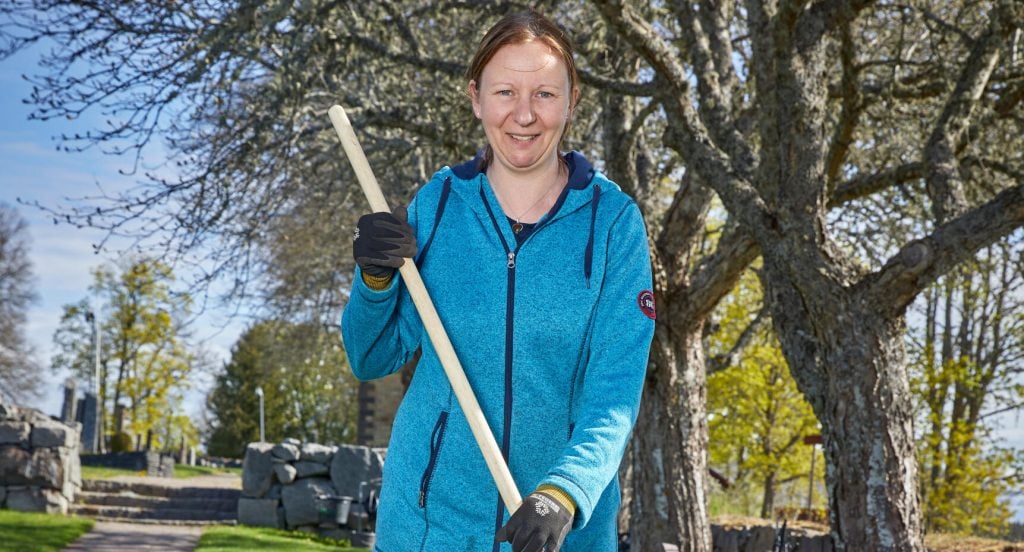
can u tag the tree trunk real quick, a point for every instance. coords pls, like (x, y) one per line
(768, 496)
(670, 445)
(851, 365)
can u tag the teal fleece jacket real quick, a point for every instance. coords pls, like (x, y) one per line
(554, 336)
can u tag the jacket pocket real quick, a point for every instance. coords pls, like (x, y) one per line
(436, 437)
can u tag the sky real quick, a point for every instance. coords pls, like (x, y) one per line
(31, 169)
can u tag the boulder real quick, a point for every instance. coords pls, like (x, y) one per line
(257, 470)
(310, 469)
(3, 496)
(53, 434)
(286, 451)
(15, 433)
(35, 499)
(285, 473)
(302, 502)
(312, 452)
(274, 492)
(353, 465)
(292, 441)
(260, 512)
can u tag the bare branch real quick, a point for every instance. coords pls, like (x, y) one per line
(863, 186)
(714, 97)
(731, 358)
(922, 261)
(944, 183)
(718, 274)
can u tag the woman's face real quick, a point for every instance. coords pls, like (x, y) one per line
(523, 101)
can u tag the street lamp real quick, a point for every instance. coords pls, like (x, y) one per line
(259, 393)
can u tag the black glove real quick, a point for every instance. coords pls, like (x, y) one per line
(541, 521)
(382, 241)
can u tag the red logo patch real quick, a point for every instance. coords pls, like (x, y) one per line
(646, 302)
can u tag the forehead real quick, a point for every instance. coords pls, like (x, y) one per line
(533, 59)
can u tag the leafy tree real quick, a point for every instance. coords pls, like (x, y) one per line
(757, 417)
(144, 361)
(968, 357)
(309, 391)
(19, 377)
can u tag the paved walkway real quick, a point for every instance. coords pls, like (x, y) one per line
(123, 537)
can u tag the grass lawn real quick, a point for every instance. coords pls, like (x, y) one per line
(181, 471)
(100, 472)
(227, 538)
(43, 532)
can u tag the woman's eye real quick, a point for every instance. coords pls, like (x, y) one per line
(504, 92)
(545, 94)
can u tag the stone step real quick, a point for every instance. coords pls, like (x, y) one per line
(125, 513)
(157, 503)
(145, 489)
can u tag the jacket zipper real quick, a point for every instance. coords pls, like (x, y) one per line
(436, 438)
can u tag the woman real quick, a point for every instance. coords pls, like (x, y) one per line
(539, 269)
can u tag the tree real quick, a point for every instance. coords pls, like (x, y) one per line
(144, 359)
(967, 362)
(309, 391)
(779, 166)
(18, 370)
(757, 417)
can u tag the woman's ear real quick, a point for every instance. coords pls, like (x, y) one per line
(474, 96)
(574, 101)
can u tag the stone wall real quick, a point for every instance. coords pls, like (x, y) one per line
(297, 486)
(39, 465)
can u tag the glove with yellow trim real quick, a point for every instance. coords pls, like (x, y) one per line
(381, 243)
(541, 522)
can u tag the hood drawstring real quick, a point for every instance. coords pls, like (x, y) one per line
(588, 256)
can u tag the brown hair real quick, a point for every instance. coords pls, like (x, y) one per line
(519, 28)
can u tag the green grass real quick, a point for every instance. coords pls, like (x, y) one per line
(227, 538)
(183, 471)
(24, 531)
(100, 472)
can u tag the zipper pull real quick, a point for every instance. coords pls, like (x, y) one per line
(511, 259)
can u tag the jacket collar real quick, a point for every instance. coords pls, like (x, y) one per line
(581, 172)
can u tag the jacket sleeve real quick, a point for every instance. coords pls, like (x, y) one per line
(619, 345)
(380, 329)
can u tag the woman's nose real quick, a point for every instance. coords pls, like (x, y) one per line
(524, 111)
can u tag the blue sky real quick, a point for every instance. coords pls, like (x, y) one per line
(62, 256)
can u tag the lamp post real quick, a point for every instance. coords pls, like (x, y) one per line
(259, 393)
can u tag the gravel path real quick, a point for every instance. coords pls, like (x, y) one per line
(123, 537)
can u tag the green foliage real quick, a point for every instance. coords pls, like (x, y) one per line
(40, 532)
(965, 362)
(309, 391)
(225, 539)
(757, 418)
(121, 442)
(144, 361)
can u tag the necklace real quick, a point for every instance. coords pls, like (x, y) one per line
(517, 226)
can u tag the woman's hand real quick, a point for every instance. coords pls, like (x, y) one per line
(382, 242)
(540, 523)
